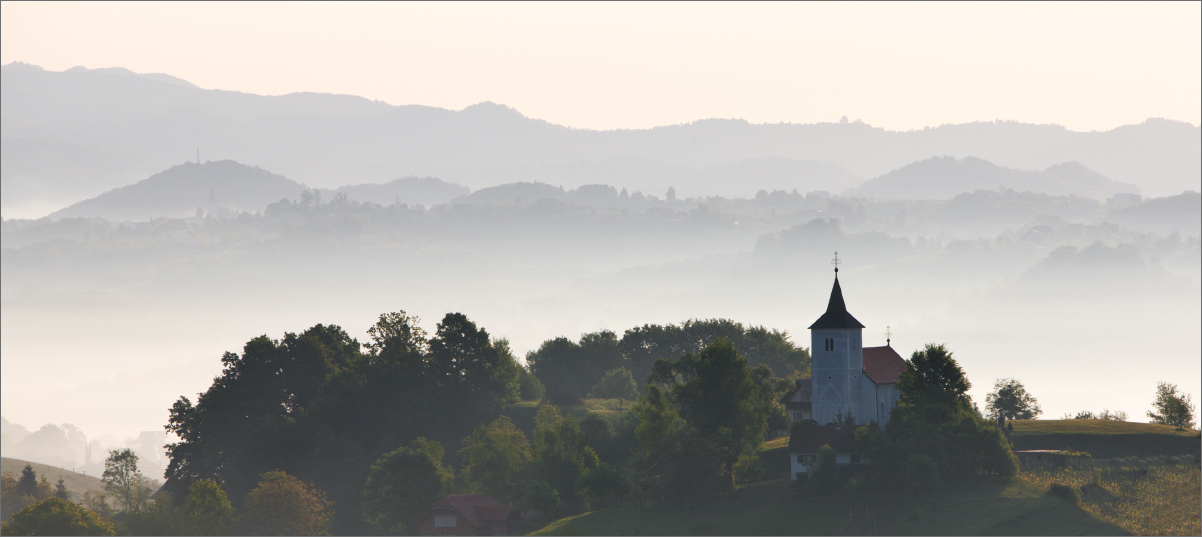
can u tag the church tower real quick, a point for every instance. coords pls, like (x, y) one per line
(837, 363)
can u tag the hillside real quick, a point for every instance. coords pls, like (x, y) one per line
(1106, 439)
(945, 177)
(426, 191)
(766, 508)
(214, 187)
(1181, 213)
(77, 483)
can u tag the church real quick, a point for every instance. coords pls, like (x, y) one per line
(850, 385)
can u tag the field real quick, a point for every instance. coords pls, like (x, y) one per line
(1160, 496)
(76, 483)
(1105, 439)
(766, 508)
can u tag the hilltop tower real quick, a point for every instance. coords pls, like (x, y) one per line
(837, 363)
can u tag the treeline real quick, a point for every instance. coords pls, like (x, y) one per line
(317, 433)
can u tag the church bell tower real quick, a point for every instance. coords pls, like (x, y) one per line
(837, 362)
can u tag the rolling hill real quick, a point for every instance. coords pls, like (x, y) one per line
(77, 483)
(74, 134)
(180, 190)
(946, 177)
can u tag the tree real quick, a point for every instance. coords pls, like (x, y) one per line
(97, 502)
(121, 478)
(1172, 408)
(60, 490)
(604, 481)
(27, 485)
(56, 516)
(932, 377)
(1010, 400)
(568, 369)
(616, 384)
(822, 477)
(495, 456)
(721, 399)
(285, 505)
(560, 454)
(207, 509)
(403, 484)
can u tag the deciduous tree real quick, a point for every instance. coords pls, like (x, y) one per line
(285, 505)
(1010, 400)
(121, 479)
(1172, 408)
(495, 456)
(403, 484)
(56, 516)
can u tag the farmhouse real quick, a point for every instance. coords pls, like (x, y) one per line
(468, 514)
(804, 443)
(850, 384)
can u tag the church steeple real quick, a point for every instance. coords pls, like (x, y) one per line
(836, 316)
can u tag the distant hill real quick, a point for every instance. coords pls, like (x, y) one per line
(1106, 439)
(77, 483)
(411, 190)
(74, 134)
(946, 177)
(179, 191)
(1181, 213)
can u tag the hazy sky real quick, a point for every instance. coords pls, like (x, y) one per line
(634, 65)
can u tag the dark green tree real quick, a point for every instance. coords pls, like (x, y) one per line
(27, 484)
(56, 516)
(560, 455)
(615, 384)
(207, 509)
(568, 369)
(1172, 408)
(403, 484)
(1010, 400)
(60, 490)
(496, 456)
(602, 482)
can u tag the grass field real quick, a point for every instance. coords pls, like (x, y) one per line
(1163, 499)
(1105, 439)
(76, 483)
(766, 508)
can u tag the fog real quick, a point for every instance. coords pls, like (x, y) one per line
(1068, 260)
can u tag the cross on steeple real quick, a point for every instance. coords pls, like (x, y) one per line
(836, 262)
(888, 336)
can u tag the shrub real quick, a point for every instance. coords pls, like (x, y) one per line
(56, 516)
(1066, 493)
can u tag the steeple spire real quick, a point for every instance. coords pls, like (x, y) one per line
(836, 316)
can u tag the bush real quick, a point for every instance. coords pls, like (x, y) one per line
(616, 384)
(1066, 493)
(56, 516)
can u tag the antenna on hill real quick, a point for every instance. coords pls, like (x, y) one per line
(888, 337)
(198, 155)
(836, 262)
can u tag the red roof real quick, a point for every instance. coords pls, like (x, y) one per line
(882, 364)
(809, 439)
(478, 509)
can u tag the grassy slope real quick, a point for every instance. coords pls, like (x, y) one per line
(766, 508)
(1105, 439)
(76, 483)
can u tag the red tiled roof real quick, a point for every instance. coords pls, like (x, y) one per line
(882, 364)
(809, 439)
(478, 509)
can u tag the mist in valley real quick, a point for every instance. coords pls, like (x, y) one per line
(151, 225)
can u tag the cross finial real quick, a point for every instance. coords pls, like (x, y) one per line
(836, 262)
(888, 336)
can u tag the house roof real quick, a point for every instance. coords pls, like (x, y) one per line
(802, 384)
(836, 316)
(809, 439)
(883, 365)
(478, 509)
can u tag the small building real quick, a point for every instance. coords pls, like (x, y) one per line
(469, 514)
(1049, 458)
(806, 440)
(798, 401)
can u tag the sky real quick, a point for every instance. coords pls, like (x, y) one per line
(900, 66)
